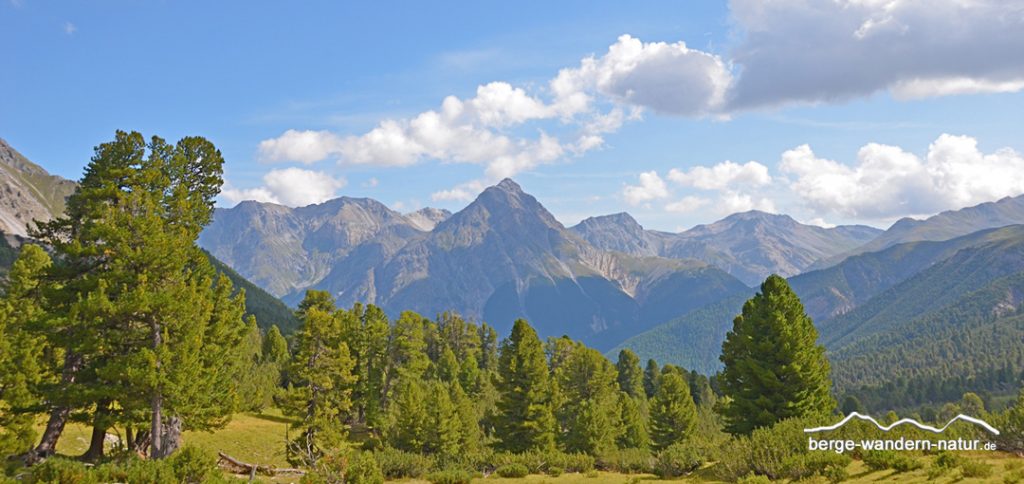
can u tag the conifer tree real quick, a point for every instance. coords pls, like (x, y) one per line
(410, 429)
(634, 423)
(22, 364)
(651, 374)
(630, 376)
(320, 390)
(444, 428)
(673, 413)
(589, 406)
(774, 368)
(524, 419)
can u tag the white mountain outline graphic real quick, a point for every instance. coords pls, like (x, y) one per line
(910, 421)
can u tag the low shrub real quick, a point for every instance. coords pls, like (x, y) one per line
(830, 465)
(58, 470)
(753, 479)
(592, 474)
(363, 468)
(627, 461)
(193, 464)
(539, 462)
(513, 471)
(554, 471)
(450, 476)
(677, 460)
(396, 464)
(975, 468)
(884, 459)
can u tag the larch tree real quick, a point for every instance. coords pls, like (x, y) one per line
(774, 367)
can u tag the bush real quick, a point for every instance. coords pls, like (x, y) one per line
(627, 461)
(192, 464)
(591, 474)
(677, 460)
(396, 464)
(753, 479)
(450, 476)
(830, 465)
(364, 469)
(884, 459)
(57, 470)
(513, 471)
(554, 471)
(975, 468)
(765, 452)
(539, 462)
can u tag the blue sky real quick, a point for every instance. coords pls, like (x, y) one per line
(858, 111)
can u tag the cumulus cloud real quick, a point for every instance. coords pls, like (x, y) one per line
(687, 204)
(301, 146)
(294, 187)
(667, 78)
(461, 193)
(723, 175)
(651, 187)
(888, 182)
(799, 51)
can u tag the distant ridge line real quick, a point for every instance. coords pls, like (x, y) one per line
(915, 423)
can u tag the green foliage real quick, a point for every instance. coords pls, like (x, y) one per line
(886, 459)
(677, 460)
(397, 464)
(651, 374)
(364, 469)
(554, 471)
(632, 412)
(193, 464)
(766, 451)
(588, 405)
(450, 476)
(58, 470)
(630, 376)
(268, 310)
(512, 471)
(321, 381)
(538, 462)
(774, 368)
(524, 419)
(753, 479)
(829, 465)
(627, 461)
(673, 413)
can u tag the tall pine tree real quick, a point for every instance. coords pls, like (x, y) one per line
(673, 413)
(774, 368)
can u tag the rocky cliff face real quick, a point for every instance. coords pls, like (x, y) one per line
(27, 192)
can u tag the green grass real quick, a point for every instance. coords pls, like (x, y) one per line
(259, 438)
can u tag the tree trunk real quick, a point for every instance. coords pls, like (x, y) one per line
(99, 433)
(157, 403)
(171, 436)
(59, 413)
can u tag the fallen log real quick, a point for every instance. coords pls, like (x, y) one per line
(238, 467)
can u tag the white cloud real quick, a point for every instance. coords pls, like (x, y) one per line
(301, 146)
(69, 28)
(800, 51)
(667, 78)
(888, 182)
(372, 182)
(651, 187)
(687, 204)
(733, 202)
(723, 175)
(461, 193)
(293, 187)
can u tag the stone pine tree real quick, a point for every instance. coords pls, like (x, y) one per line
(635, 434)
(651, 374)
(589, 404)
(319, 395)
(774, 368)
(22, 362)
(673, 413)
(630, 376)
(524, 420)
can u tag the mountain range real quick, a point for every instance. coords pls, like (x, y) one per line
(894, 308)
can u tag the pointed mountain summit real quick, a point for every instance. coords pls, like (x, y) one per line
(427, 218)
(620, 232)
